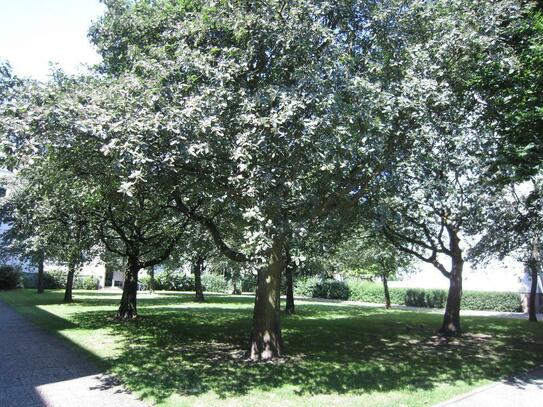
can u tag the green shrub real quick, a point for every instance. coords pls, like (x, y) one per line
(54, 279)
(333, 289)
(173, 281)
(86, 283)
(307, 287)
(492, 301)
(365, 291)
(215, 283)
(10, 277)
(316, 287)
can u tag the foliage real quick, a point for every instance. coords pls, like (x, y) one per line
(322, 288)
(86, 283)
(492, 301)
(342, 355)
(55, 278)
(215, 283)
(364, 291)
(172, 281)
(248, 283)
(10, 277)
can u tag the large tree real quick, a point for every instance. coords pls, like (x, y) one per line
(272, 126)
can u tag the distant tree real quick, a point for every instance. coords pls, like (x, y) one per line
(366, 253)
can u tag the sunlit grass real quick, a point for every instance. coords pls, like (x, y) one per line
(184, 353)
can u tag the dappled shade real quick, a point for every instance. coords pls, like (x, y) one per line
(181, 347)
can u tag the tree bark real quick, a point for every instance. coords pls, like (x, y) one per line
(266, 341)
(451, 319)
(533, 264)
(41, 281)
(69, 282)
(197, 270)
(385, 287)
(152, 279)
(128, 306)
(289, 271)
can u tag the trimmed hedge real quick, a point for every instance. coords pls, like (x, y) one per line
(357, 290)
(318, 288)
(56, 279)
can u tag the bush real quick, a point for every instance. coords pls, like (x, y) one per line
(333, 289)
(307, 287)
(86, 283)
(316, 287)
(492, 301)
(54, 279)
(416, 297)
(215, 283)
(10, 277)
(172, 281)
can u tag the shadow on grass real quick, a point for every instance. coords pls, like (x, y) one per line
(331, 350)
(178, 346)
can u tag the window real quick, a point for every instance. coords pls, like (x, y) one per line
(2, 192)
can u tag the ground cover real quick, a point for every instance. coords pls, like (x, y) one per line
(184, 353)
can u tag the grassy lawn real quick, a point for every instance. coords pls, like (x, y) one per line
(180, 353)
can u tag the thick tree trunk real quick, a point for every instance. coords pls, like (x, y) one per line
(266, 341)
(197, 270)
(533, 264)
(128, 308)
(41, 281)
(289, 271)
(69, 283)
(152, 279)
(451, 319)
(385, 287)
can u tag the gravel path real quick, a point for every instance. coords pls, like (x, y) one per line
(39, 370)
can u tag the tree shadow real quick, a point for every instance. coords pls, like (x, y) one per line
(180, 347)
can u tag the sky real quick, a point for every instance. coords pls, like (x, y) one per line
(36, 32)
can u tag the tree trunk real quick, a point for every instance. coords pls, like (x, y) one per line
(385, 287)
(289, 271)
(236, 277)
(533, 264)
(41, 281)
(69, 282)
(197, 270)
(266, 341)
(451, 319)
(152, 279)
(128, 308)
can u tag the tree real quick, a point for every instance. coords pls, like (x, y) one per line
(434, 196)
(513, 226)
(366, 253)
(268, 126)
(63, 123)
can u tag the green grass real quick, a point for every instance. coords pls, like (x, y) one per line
(181, 353)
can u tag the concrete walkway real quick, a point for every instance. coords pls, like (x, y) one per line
(39, 370)
(525, 390)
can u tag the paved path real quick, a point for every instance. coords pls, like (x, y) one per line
(39, 370)
(521, 391)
